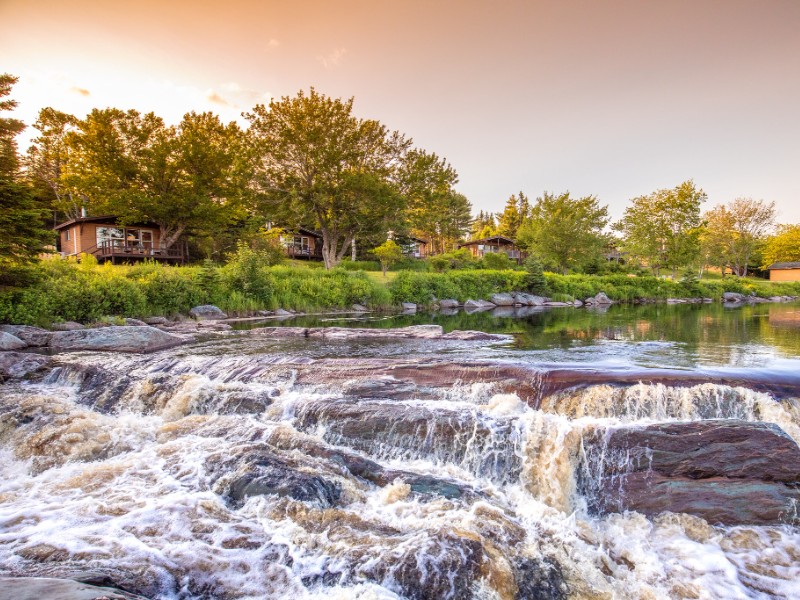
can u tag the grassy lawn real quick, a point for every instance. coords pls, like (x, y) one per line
(378, 277)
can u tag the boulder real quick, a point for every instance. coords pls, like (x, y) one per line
(577, 303)
(727, 472)
(552, 303)
(261, 471)
(135, 323)
(601, 298)
(409, 307)
(15, 365)
(471, 306)
(66, 326)
(281, 312)
(33, 336)
(11, 342)
(359, 308)
(45, 588)
(207, 311)
(449, 303)
(733, 297)
(475, 335)
(156, 320)
(502, 300)
(115, 339)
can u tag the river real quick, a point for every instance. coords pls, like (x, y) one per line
(257, 466)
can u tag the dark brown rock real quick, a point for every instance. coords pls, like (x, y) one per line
(725, 471)
(15, 365)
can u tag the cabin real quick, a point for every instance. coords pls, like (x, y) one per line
(302, 243)
(413, 247)
(107, 240)
(494, 244)
(784, 271)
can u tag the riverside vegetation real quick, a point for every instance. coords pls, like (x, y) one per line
(87, 292)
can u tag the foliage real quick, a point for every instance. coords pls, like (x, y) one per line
(516, 211)
(422, 288)
(731, 234)
(318, 163)
(497, 261)
(388, 254)
(22, 231)
(457, 259)
(663, 228)
(535, 281)
(784, 246)
(566, 233)
(483, 226)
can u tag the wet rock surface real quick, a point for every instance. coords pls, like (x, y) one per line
(725, 471)
(43, 588)
(15, 365)
(114, 339)
(10, 342)
(32, 336)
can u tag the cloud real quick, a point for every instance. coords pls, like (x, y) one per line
(333, 59)
(79, 90)
(214, 97)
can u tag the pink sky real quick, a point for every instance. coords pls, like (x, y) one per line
(612, 98)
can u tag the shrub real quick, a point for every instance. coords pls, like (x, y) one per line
(497, 261)
(535, 282)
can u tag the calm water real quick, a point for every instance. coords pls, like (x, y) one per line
(762, 336)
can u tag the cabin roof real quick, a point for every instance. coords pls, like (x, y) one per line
(778, 266)
(110, 219)
(494, 238)
(304, 231)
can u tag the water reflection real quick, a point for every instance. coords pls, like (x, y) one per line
(676, 336)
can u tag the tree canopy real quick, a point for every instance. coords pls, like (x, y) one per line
(22, 231)
(319, 163)
(784, 246)
(732, 233)
(663, 228)
(565, 233)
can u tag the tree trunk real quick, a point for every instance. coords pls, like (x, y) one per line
(353, 249)
(169, 236)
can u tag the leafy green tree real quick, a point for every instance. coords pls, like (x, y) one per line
(517, 209)
(784, 246)
(388, 254)
(48, 158)
(436, 211)
(535, 281)
(732, 234)
(318, 163)
(22, 231)
(663, 228)
(564, 232)
(186, 179)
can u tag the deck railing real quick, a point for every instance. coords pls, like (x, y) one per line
(122, 249)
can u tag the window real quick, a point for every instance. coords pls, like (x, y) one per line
(109, 236)
(66, 235)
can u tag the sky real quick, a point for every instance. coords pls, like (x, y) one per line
(614, 98)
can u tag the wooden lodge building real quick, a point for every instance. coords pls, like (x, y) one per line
(302, 243)
(104, 238)
(784, 271)
(493, 245)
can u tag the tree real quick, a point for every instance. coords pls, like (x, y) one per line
(663, 228)
(784, 246)
(189, 178)
(483, 226)
(48, 158)
(317, 162)
(516, 211)
(435, 210)
(565, 233)
(388, 254)
(22, 231)
(732, 234)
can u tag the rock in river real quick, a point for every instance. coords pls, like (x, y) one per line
(115, 339)
(725, 471)
(44, 588)
(19, 364)
(207, 311)
(33, 336)
(11, 342)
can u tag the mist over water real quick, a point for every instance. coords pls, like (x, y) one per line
(244, 467)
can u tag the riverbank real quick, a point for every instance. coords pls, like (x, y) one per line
(90, 293)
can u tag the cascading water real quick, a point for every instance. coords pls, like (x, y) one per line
(189, 475)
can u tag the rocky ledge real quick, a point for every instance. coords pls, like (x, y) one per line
(427, 332)
(115, 339)
(44, 588)
(727, 472)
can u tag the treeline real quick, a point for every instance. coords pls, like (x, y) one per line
(306, 160)
(663, 231)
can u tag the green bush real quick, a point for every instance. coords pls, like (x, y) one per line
(497, 261)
